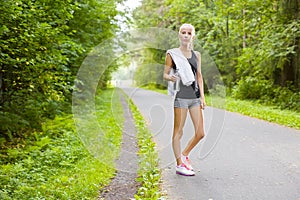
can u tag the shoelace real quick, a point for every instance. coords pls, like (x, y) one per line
(183, 165)
(188, 160)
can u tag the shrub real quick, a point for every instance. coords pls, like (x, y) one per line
(252, 88)
(286, 98)
(265, 92)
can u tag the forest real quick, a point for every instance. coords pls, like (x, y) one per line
(254, 44)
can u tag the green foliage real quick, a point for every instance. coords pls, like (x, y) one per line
(93, 21)
(255, 44)
(54, 167)
(149, 174)
(286, 98)
(42, 45)
(110, 116)
(148, 74)
(150, 68)
(34, 72)
(57, 165)
(252, 88)
(268, 113)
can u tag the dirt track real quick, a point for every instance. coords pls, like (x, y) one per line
(124, 185)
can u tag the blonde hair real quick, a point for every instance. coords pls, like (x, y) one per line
(188, 26)
(191, 46)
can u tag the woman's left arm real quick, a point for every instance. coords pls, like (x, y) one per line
(200, 80)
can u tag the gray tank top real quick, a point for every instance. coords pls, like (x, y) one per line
(188, 92)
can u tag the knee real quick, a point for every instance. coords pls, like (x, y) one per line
(200, 135)
(177, 135)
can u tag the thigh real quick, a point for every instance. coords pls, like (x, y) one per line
(197, 117)
(179, 117)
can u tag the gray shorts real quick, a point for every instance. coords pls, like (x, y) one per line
(186, 103)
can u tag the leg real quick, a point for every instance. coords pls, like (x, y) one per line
(197, 118)
(179, 120)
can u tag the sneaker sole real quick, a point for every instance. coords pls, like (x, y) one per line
(185, 174)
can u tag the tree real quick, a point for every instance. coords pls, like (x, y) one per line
(42, 45)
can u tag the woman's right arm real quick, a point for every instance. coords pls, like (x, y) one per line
(168, 67)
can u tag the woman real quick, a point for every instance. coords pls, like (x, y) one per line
(190, 97)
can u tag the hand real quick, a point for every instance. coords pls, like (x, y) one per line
(203, 103)
(172, 78)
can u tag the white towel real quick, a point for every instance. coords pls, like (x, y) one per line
(183, 66)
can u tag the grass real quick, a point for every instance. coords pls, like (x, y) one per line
(149, 175)
(254, 109)
(56, 165)
(272, 114)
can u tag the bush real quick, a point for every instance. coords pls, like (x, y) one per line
(55, 164)
(252, 88)
(42, 168)
(265, 92)
(286, 98)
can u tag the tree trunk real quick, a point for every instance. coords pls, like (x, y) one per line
(1, 88)
(244, 32)
(291, 68)
(287, 73)
(296, 64)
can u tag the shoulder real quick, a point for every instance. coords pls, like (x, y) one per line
(198, 54)
(169, 60)
(168, 56)
(170, 53)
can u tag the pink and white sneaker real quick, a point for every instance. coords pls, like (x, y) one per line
(187, 162)
(183, 170)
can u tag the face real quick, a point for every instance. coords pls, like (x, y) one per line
(186, 35)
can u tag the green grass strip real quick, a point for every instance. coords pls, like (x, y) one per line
(254, 109)
(148, 173)
(272, 114)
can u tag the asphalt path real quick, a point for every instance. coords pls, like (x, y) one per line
(240, 158)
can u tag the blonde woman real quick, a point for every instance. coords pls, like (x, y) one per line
(189, 95)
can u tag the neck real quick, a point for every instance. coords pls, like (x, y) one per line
(184, 48)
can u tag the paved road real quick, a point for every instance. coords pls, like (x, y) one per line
(252, 159)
